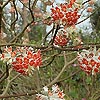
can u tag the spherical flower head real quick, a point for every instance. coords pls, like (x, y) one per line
(26, 60)
(72, 17)
(65, 14)
(61, 38)
(89, 61)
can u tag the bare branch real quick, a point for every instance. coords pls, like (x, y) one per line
(55, 80)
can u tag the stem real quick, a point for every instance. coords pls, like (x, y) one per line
(0, 17)
(8, 83)
(19, 95)
(55, 34)
(38, 80)
(63, 69)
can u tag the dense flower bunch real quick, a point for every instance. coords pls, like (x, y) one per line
(27, 60)
(61, 38)
(89, 61)
(22, 59)
(64, 37)
(65, 14)
(54, 94)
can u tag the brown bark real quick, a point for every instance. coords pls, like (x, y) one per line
(25, 13)
(1, 2)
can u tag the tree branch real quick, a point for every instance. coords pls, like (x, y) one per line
(19, 95)
(58, 27)
(63, 69)
(5, 74)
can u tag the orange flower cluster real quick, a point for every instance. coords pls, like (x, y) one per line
(61, 38)
(89, 61)
(65, 14)
(22, 59)
(24, 62)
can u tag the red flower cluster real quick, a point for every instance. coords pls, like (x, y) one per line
(71, 17)
(25, 62)
(61, 38)
(65, 15)
(22, 59)
(89, 61)
(71, 3)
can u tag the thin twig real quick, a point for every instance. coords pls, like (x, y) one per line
(58, 27)
(34, 3)
(44, 40)
(55, 80)
(5, 3)
(5, 74)
(16, 13)
(8, 83)
(31, 10)
(69, 76)
(85, 2)
(19, 95)
(87, 17)
(20, 34)
(46, 48)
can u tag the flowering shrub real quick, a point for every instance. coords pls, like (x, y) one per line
(23, 23)
(65, 14)
(89, 61)
(54, 94)
(22, 59)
